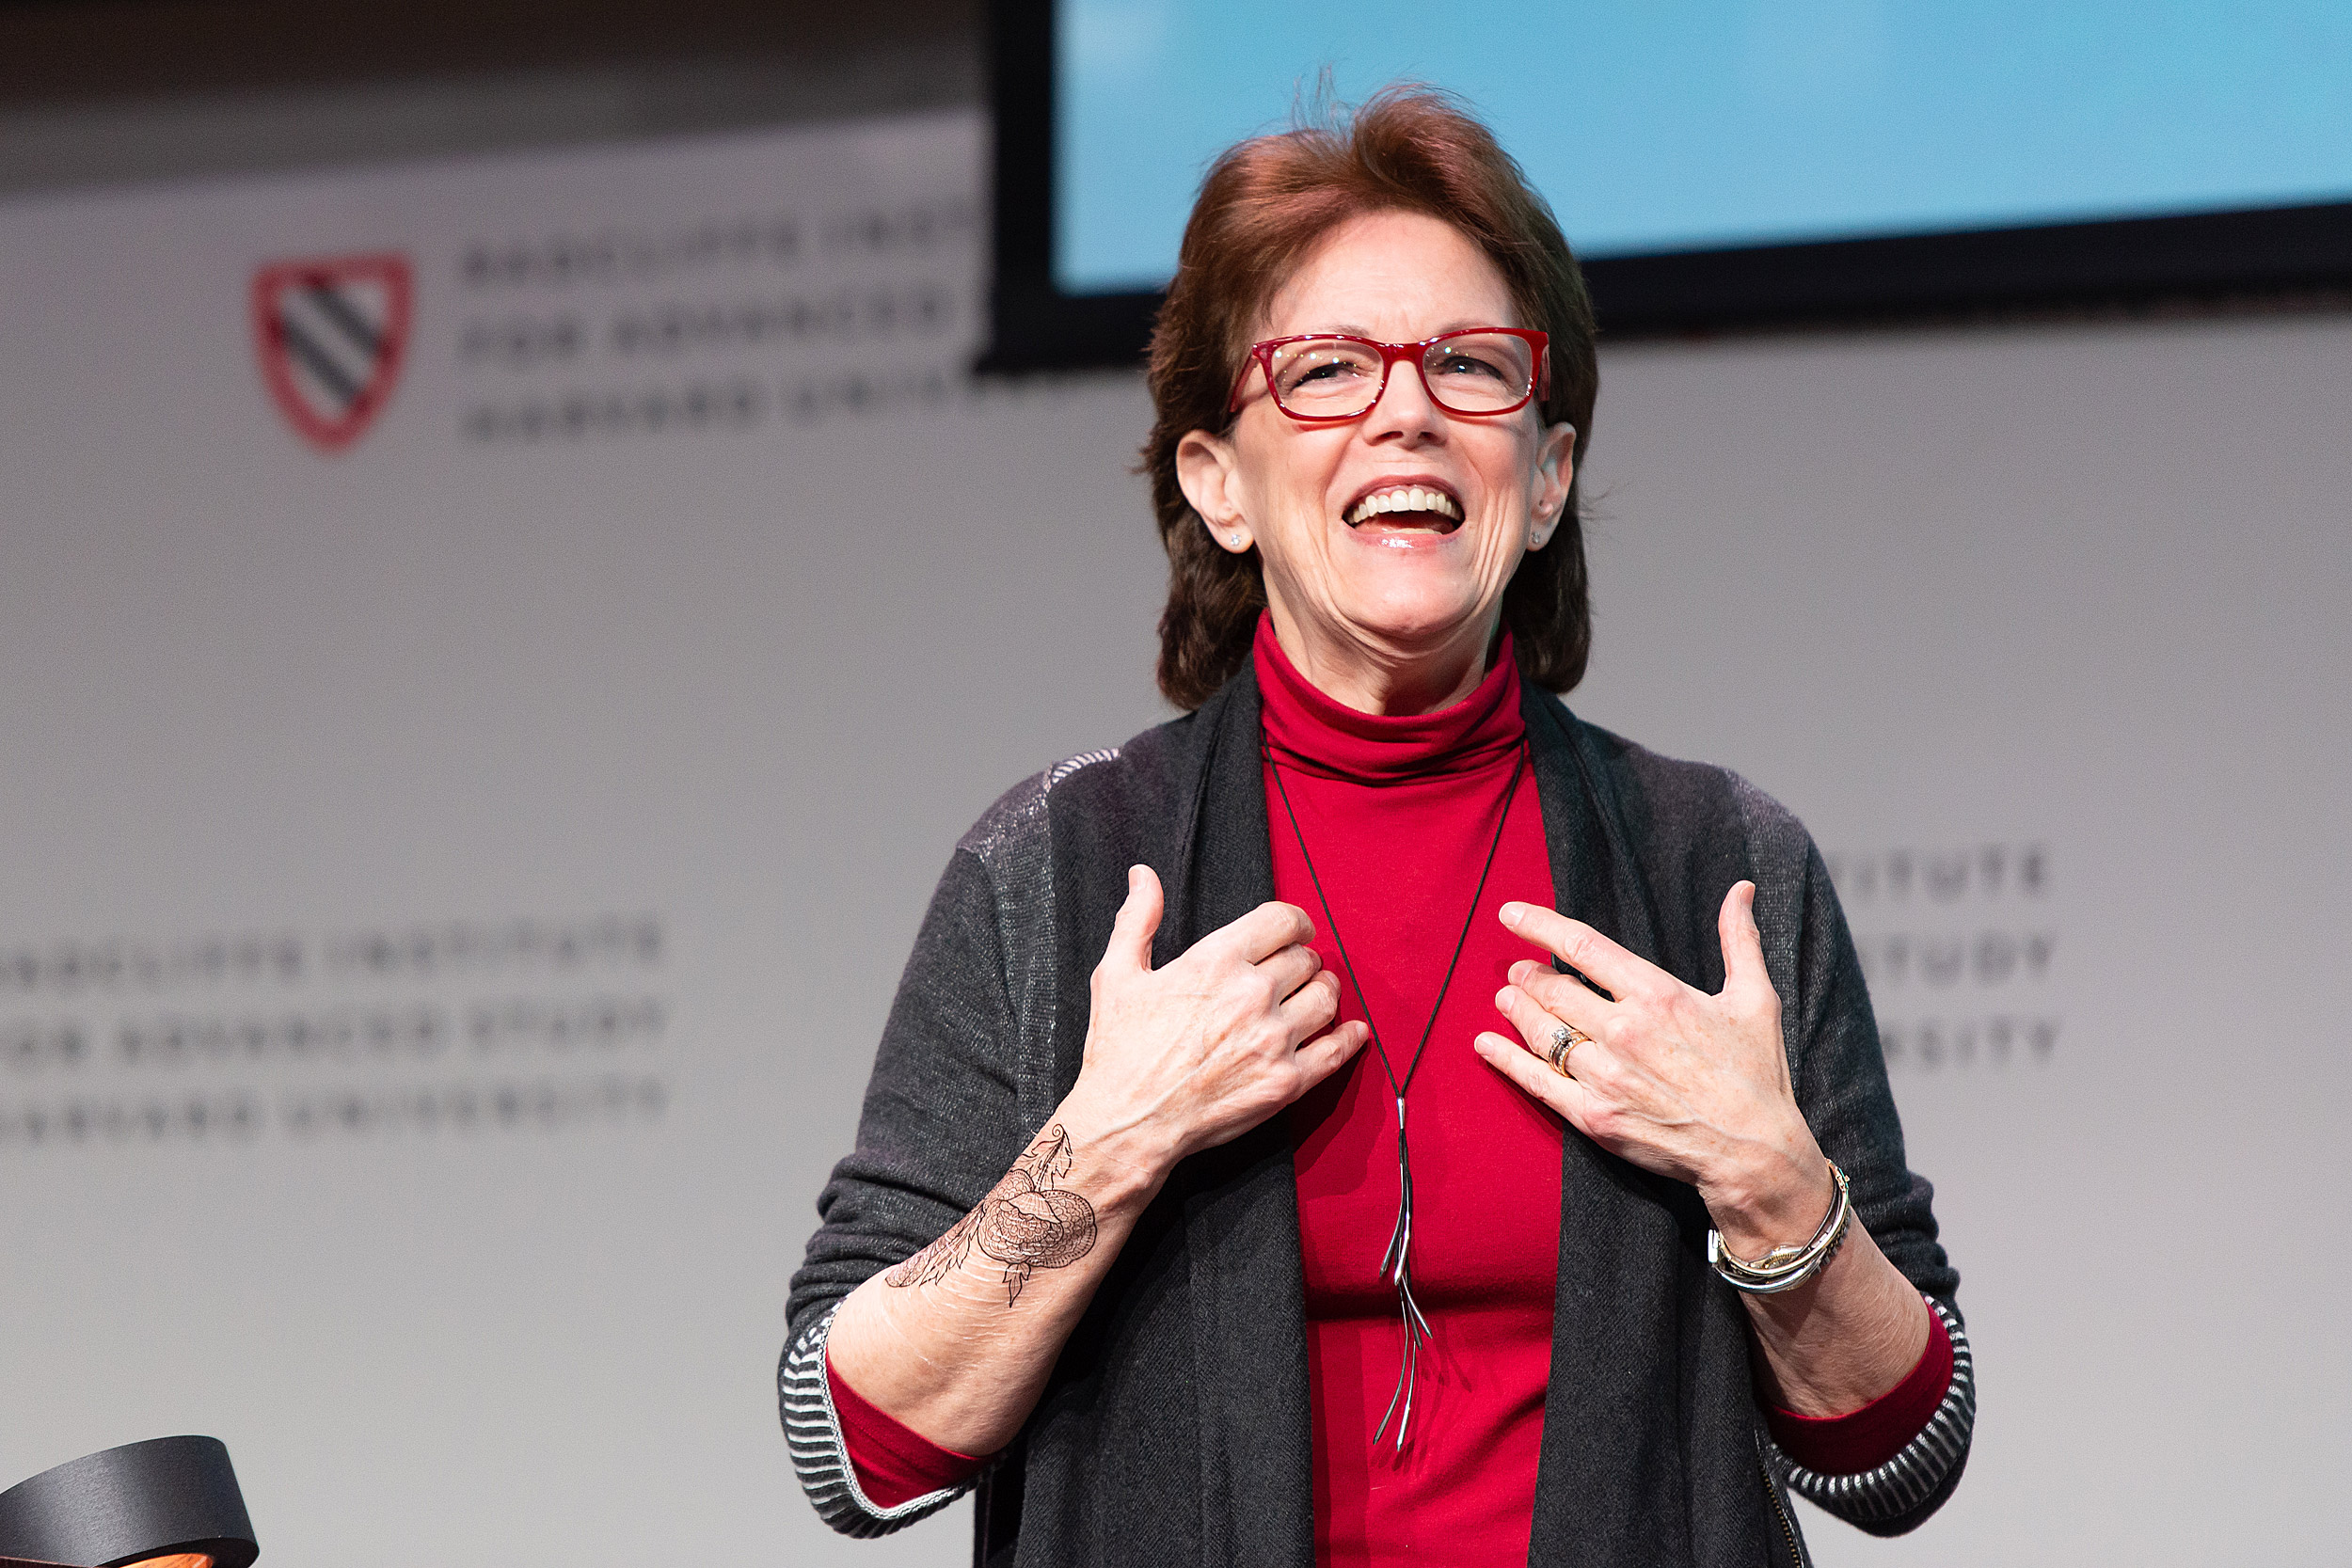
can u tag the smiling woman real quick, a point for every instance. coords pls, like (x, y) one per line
(1378, 1118)
(1265, 208)
(1387, 522)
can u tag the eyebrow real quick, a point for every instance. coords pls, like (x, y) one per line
(1460, 324)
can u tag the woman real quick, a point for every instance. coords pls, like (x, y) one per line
(1235, 1184)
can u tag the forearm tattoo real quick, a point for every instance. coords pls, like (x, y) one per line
(1030, 1222)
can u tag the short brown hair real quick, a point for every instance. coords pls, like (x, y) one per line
(1265, 204)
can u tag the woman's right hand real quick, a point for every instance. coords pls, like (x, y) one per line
(958, 1340)
(1181, 1059)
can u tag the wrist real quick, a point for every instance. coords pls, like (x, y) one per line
(1115, 1162)
(1770, 1203)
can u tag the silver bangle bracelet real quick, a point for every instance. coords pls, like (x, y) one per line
(1785, 1268)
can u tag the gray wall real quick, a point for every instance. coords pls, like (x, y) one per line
(2041, 629)
(108, 91)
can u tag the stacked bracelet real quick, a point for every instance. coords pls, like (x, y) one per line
(1785, 1268)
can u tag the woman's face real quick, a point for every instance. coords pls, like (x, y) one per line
(1383, 590)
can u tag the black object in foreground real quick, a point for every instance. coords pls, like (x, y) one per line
(169, 1497)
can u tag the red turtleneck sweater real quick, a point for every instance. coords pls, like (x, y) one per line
(1398, 815)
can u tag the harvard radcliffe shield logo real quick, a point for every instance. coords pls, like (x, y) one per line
(332, 333)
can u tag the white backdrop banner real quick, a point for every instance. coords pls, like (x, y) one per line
(493, 655)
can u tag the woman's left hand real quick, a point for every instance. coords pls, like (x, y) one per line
(1680, 1083)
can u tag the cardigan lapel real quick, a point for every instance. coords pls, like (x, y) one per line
(1240, 1201)
(1610, 1486)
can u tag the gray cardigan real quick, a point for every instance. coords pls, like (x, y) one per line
(1175, 1426)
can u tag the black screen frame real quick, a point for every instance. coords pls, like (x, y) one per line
(2203, 259)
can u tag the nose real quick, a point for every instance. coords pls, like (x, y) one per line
(1404, 413)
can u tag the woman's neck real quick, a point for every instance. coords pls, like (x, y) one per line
(1379, 677)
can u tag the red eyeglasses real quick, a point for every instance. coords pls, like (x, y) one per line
(1322, 377)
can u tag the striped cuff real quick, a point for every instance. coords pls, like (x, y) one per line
(1879, 1497)
(812, 1430)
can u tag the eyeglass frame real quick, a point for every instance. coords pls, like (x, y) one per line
(1262, 354)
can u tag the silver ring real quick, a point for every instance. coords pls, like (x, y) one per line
(1565, 1039)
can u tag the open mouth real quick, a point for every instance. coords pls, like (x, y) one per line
(1399, 509)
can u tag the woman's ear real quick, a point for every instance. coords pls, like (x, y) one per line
(1555, 471)
(1205, 472)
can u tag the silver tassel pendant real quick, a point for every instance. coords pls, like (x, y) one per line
(1397, 1266)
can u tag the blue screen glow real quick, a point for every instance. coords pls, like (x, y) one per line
(1656, 125)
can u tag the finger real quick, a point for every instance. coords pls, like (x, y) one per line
(1291, 968)
(1266, 929)
(1137, 921)
(1330, 1051)
(1310, 1008)
(1564, 1094)
(1613, 968)
(1534, 1022)
(1564, 996)
(1743, 945)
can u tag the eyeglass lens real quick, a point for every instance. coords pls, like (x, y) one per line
(1325, 378)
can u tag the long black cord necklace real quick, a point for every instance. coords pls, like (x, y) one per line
(1397, 1265)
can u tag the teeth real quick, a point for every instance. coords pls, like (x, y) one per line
(1411, 497)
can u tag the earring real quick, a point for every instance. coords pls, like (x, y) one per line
(1233, 539)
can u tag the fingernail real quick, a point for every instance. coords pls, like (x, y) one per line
(1511, 913)
(1503, 998)
(1518, 970)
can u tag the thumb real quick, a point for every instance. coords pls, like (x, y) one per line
(1743, 945)
(1139, 920)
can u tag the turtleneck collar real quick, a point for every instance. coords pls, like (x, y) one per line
(1318, 735)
